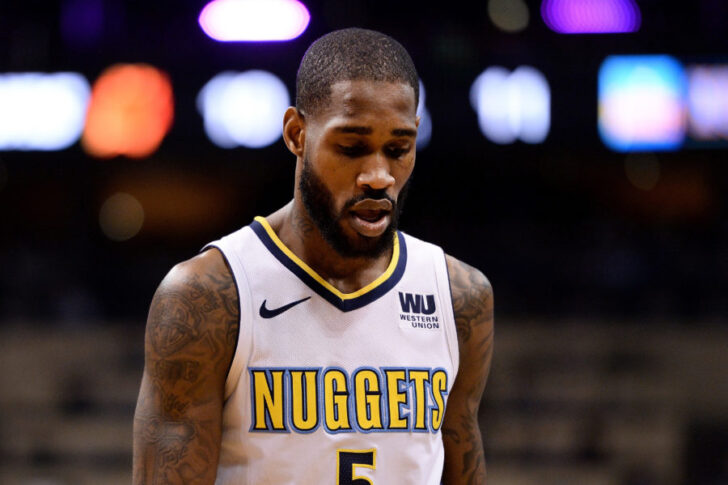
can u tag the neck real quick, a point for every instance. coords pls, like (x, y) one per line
(299, 233)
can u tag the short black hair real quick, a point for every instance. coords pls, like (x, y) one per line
(350, 55)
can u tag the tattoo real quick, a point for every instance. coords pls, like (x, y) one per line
(173, 405)
(172, 436)
(178, 323)
(474, 458)
(301, 224)
(228, 296)
(173, 370)
(472, 298)
(470, 295)
(171, 440)
(191, 333)
(179, 313)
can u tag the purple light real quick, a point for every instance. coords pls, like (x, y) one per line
(708, 102)
(591, 16)
(254, 20)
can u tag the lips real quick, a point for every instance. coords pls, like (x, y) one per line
(370, 217)
(372, 204)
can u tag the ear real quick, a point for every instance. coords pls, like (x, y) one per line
(294, 131)
(417, 121)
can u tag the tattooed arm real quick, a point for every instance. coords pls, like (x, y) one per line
(190, 339)
(472, 299)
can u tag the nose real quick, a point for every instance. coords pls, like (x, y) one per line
(375, 173)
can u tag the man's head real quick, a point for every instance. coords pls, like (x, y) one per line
(350, 55)
(353, 132)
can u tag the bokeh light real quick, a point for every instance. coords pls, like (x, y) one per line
(424, 130)
(121, 217)
(509, 15)
(243, 109)
(591, 16)
(41, 111)
(642, 170)
(708, 102)
(512, 105)
(130, 112)
(642, 103)
(254, 20)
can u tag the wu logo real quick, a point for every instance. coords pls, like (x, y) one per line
(415, 303)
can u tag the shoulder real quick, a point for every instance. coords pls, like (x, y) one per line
(472, 293)
(205, 272)
(196, 302)
(462, 273)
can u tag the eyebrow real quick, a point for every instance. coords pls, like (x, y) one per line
(357, 130)
(365, 130)
(404, 132)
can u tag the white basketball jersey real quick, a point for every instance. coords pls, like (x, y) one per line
(333, 388)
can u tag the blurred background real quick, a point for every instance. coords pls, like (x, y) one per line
(576, 151)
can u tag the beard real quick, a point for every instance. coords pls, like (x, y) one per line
(319, 203)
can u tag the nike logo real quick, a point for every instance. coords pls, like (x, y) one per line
(266, 313)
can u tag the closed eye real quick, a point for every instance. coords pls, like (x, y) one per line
(353, 151)
(396, 152)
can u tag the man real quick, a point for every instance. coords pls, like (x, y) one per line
(319, 345)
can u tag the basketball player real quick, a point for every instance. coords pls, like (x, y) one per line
(319, 345)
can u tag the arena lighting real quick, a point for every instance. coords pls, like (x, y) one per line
(121, 217)
(591, 16)
(130, 112)
(512, 105)
(41, 111)
(708, 102)
(642, 103)
(254, 20)
(424, 130)
(508, 15)
(243, 109)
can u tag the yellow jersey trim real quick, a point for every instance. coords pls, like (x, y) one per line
(344, 296)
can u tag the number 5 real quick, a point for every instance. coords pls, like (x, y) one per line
(348, 460)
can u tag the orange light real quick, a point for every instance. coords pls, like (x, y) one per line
(130, 112)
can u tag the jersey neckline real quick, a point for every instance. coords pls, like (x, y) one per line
(343, 301)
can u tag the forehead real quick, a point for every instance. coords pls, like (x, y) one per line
(369, 101)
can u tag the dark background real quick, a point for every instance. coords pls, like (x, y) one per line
(566, 240)
(557, 226)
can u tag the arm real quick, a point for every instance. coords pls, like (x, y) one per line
(190, 340)
(472, 298)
